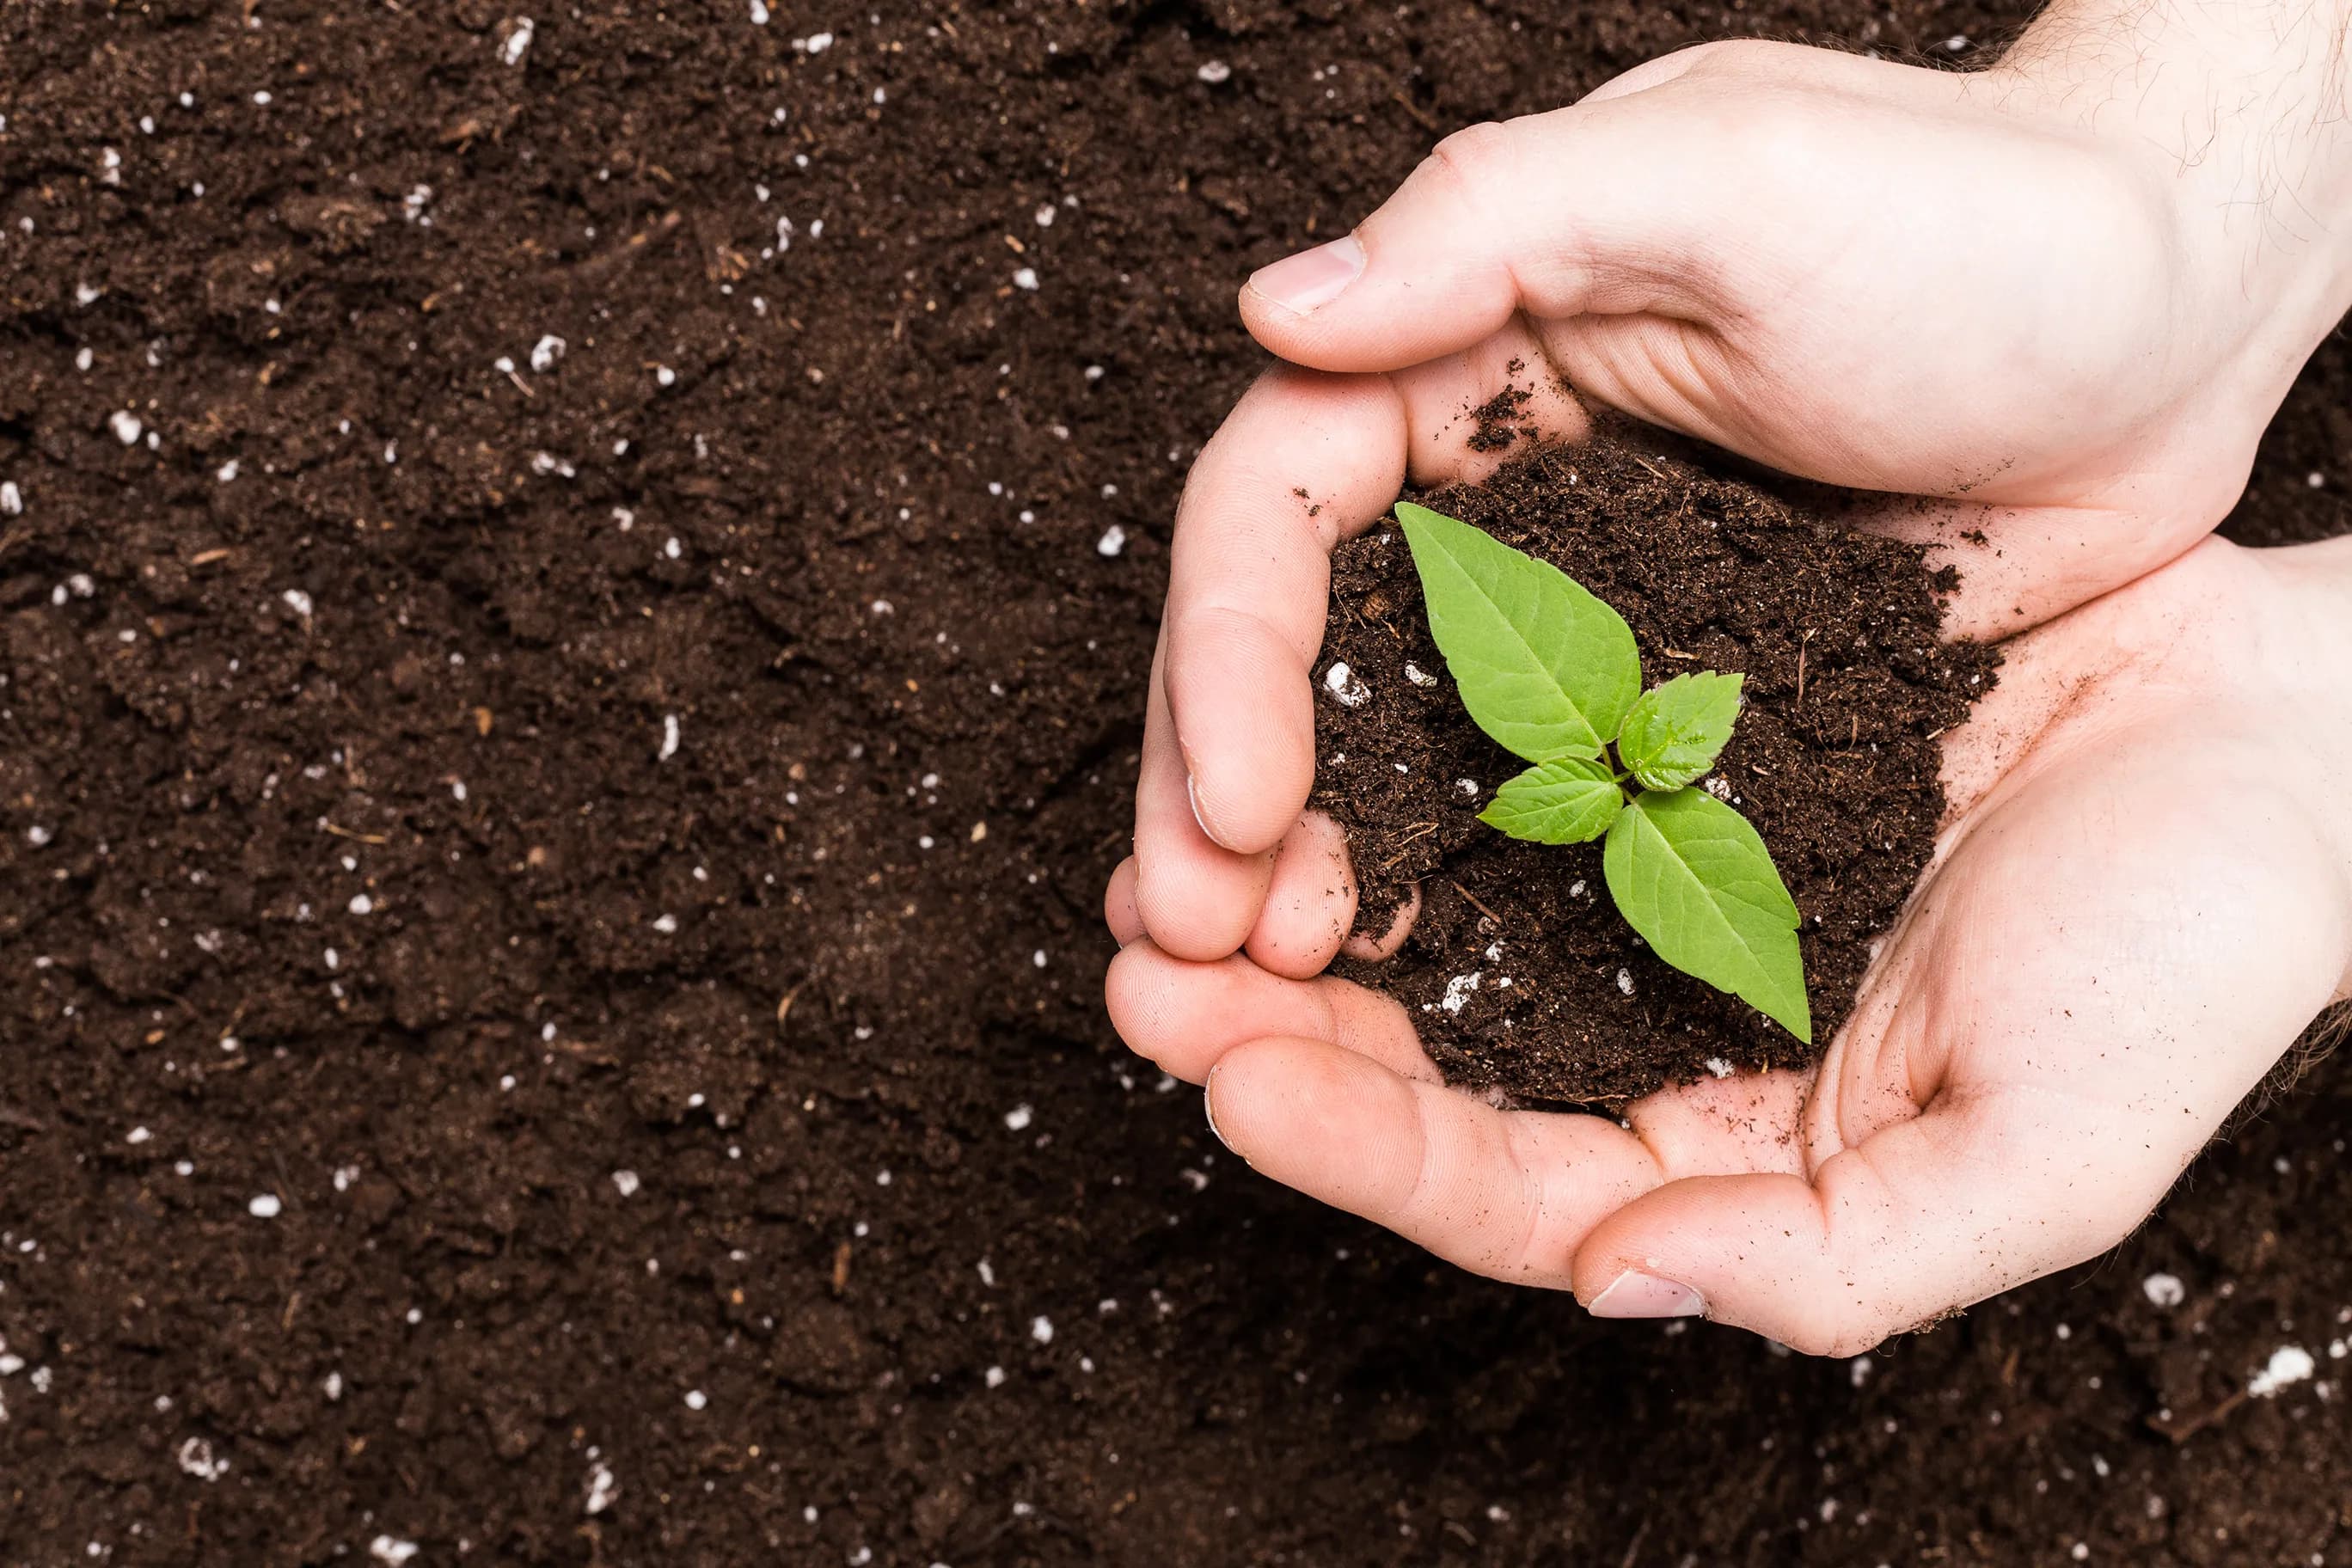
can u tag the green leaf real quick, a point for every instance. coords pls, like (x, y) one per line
(1673, 735)
(1694, 878)
(1570, 801)
(1545, 667)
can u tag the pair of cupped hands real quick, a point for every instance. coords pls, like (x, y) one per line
(1904, 281)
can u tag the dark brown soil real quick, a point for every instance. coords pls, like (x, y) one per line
(458, 1321)
(1834, 760)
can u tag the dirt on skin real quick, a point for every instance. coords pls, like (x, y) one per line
(714, 1154)
(1519, 971)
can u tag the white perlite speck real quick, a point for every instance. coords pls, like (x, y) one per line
(669, 738)
(126, 427)
(1017, 1119)
(196, 1456)
(666, 924)
(297, 601)
(994, 1377)
(1026, 277)
(1419, 676)
(2289, 1364)
(1626, 980)
(759, 13)
(12, 499)
(265, 1206)
(818, 43)
(1215, 72)
(392, 1551)
(1716, 1067)
(546, 352)
(1042, 1329)
(2164, 1291)
(627, 1182)
(696, 1399)
(602, 1490)
(1458, 990)
(1113, 541)
(1343, 683)
(517, 42)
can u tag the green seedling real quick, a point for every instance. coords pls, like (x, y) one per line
(1552, 674)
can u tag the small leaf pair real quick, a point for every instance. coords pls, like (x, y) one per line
(1552, 674)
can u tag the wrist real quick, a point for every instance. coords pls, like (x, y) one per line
(2236, 114)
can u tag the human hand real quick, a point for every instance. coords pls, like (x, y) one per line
(2062, 295)
(2142, 894)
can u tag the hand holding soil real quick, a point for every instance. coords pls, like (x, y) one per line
(1957, 288)
(2099, 965)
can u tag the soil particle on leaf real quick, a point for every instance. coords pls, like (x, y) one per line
(1519, 971)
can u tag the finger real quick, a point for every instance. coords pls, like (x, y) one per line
(1745, 1122)
(1302, 462)
(1378, 949)
(1311, 901)
(1467, 414)
(1196, 898)
(2076, 680)
(1599, 207)
(1186, 1016)
(1931, 1215)
(1505, 1193)
(2022, 566)
(1120, 910)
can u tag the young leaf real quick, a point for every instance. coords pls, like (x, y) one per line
(1570, 801)
(1692, 875)
(1545, 667)
(1674, 732)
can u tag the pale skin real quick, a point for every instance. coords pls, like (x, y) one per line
(2063, 296)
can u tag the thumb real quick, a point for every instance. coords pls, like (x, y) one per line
(1923, 1216)
(1593, 208)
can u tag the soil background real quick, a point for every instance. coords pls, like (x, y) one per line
(704, 1145)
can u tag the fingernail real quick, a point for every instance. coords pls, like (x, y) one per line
(1637, 1295)
(1193, 799)
(1312, 277)
(1208, 1110)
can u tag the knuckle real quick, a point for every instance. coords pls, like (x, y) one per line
(1475, 162)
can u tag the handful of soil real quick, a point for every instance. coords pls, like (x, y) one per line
(1520, 973)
